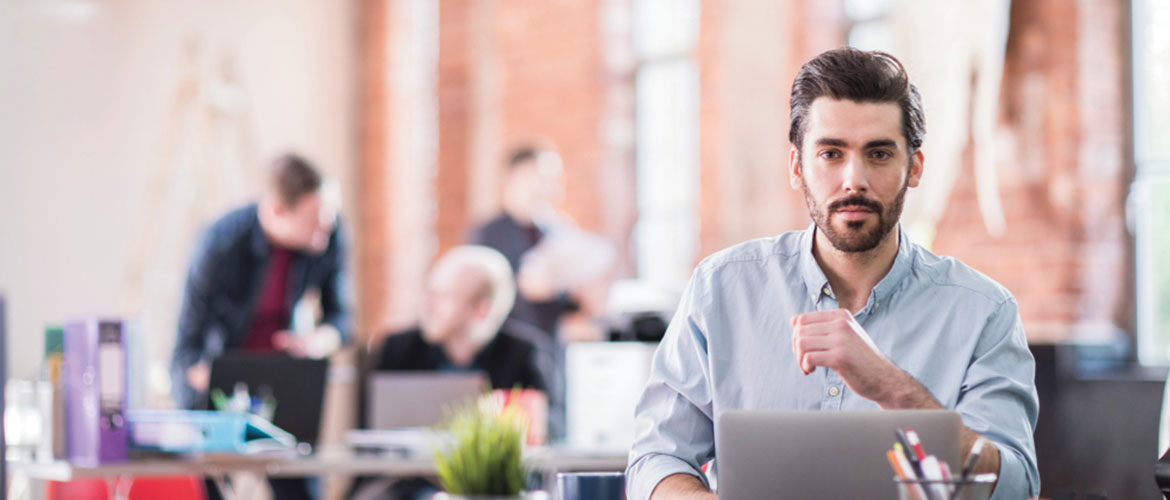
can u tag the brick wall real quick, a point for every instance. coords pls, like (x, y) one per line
(1065, 253)
(371, 224)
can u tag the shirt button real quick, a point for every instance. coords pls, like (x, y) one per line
(833, 391)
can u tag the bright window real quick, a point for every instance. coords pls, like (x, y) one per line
(1150, 202)
(667, 121)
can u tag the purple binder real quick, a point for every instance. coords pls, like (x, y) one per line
(95, 391)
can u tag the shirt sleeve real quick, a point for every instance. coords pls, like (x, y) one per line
(673, 423)
(194, 318)
(998, 400)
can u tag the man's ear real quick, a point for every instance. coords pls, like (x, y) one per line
(274, 205)
(916, 168)
(270, 206)
(482, 309)
(794, 168)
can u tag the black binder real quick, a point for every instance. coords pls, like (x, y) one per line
(3, 384)
(1162, 474)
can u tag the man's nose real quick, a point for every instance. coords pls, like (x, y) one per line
(855, 176)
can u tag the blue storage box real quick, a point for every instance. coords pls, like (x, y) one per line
(204, 431)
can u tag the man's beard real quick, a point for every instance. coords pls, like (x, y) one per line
(855, 239)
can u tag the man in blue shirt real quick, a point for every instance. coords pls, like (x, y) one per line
(845, 315)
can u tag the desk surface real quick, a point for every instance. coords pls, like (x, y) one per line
(328, 461)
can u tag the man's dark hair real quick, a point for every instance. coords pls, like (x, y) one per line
(293, 177)
(523, 154)
(859, 76)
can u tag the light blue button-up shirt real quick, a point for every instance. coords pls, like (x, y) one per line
(729, 347)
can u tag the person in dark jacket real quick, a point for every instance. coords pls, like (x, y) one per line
(464, 325)
(248, 272)
(463, 328)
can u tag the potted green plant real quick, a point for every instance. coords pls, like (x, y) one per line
(484, 457)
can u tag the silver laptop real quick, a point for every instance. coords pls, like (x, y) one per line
(803, 455)
(418, 399)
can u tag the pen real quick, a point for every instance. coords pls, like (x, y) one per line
(972, 458)
(904, 446)
(952, 487)
(915, 444)
(932, 473)
(925, 466)
(902, 467)
(914, 470)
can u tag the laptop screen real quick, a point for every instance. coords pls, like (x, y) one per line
(296, 385)
(418, 399)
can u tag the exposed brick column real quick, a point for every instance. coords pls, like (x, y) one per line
(397, 162)
(749, 52)
(456, 107)
(372, 241)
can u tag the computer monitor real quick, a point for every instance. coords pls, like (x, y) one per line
(298, 385)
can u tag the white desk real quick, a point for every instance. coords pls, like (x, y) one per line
(338, 460)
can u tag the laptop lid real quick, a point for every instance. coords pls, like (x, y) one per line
(297, 384)
(418, 399)
(822, 454)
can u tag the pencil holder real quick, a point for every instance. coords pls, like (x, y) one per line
(975, 488)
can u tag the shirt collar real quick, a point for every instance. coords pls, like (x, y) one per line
(902, 264)
(817, 283)
(815, 280)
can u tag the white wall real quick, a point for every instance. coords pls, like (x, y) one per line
(87, 107)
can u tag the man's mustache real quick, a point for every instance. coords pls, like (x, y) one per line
(855, 201)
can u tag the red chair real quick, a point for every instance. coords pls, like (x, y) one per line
(77, 489)
(168, 488)
(142, 488)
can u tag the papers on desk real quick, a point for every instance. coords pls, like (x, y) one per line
(197, 431)
(407, 441)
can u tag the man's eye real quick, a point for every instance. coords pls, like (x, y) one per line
(881, 155)
(831, 154)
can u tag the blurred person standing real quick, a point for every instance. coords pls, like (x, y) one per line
(248, 272)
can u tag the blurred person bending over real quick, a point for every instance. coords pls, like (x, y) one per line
(249, 270)
(848, 314)
(463, 328)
